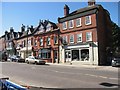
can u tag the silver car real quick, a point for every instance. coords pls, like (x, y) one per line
(32, 59)
(116, 61)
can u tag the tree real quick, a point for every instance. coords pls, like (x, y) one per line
(115, 38)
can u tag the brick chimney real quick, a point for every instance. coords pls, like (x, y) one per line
(91, 2)
(23, 28)
(66, 10)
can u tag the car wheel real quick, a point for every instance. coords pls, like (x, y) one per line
(35, 63)
(27, 62)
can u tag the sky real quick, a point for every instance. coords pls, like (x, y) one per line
(14, 14)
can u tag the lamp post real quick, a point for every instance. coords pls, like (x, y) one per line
(27, 42)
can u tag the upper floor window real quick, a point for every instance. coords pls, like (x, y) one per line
(55, 40)
(87, 20)
(79, 37)
(71, 24)
(36, 42)
(64, 41)
(89, 36)
(29, 42)
(41, 41)
(48, 40)
(64, 25)
(71, 38)
(78, 22)
(24, 43)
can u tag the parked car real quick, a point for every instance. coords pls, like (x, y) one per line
(116, 61)
(16, 58)
(34, 60)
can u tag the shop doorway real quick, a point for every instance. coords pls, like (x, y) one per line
(55, 56)
(67, 55)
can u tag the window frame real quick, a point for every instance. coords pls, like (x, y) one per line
(64, 28)
(80, 23)
(41, 43)
(69, 23)
(70, 38)
(80, 36)
(56, 40)
(48, 38)
(90, 34)
(89, 20)
(65, 41)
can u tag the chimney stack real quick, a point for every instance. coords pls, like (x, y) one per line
(66, 10)
(91, 2)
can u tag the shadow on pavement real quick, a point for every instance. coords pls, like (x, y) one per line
(109, 84)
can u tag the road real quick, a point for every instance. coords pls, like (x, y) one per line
(55, 76)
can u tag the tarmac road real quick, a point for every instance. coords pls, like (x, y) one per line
(59, 76)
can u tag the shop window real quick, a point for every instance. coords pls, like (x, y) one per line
(44, 53)
(75, 55)
(85, 55)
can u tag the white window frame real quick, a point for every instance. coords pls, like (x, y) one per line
(48, 40)
(65, 39)
(71, 36)
(56, 39)
(64, 28)
(80, 34)
(90, 34)
(36, 42)
(80, 24)
(88, 19)
(29, 42)
(71, 21)
(41, 41)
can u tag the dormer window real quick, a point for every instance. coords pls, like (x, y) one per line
(41, 29)
(71, 24)
(87, 20)
(64, 25)
(78, 22)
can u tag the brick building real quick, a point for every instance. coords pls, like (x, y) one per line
(24, 42)
(46, 44)
(9, 42)
(85, 35)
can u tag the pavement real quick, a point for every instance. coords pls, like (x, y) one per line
(108, 68)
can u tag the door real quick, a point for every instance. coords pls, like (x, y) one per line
(67, 55)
